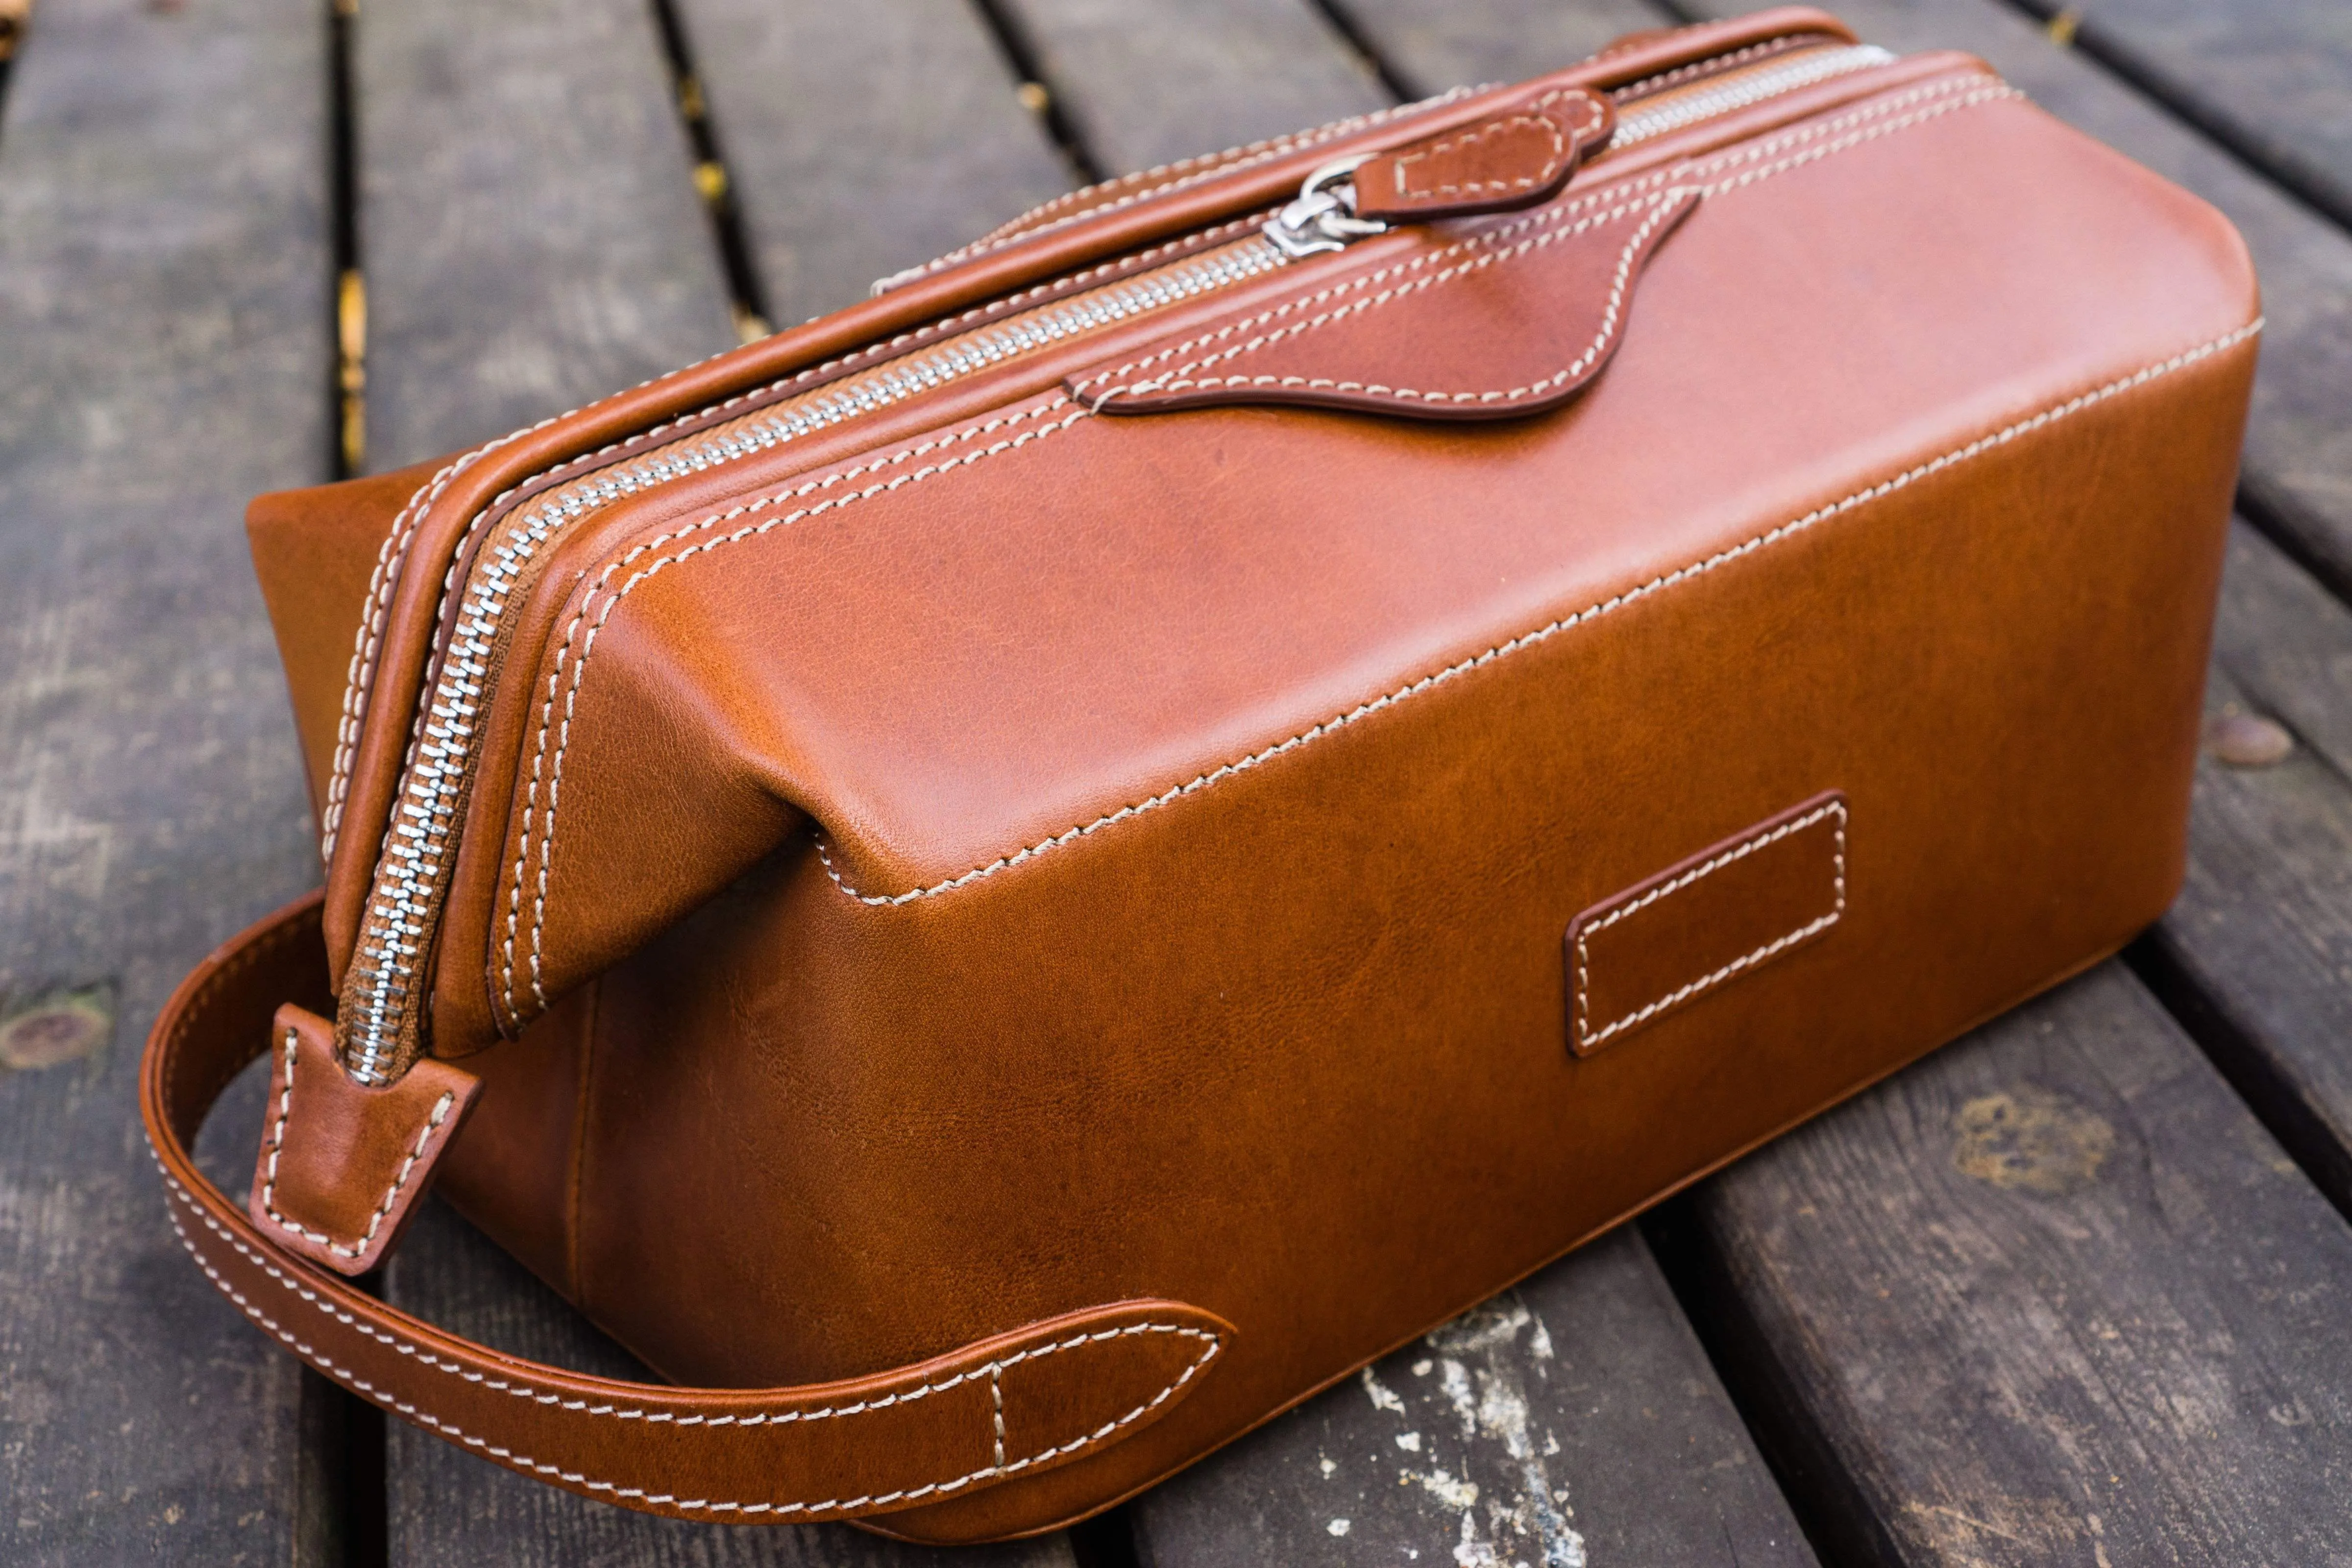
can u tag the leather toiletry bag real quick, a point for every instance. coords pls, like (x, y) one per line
(1007, 883)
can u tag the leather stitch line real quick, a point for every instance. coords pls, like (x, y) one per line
(339, 776)
(1492, 256)
(996, 1398)
(1586, 1036)
(1665, 205)
(382, 583)
(1559, 146)
(1562, 211)
(555, 672)
(1544, 633)
(1635, 90)
(284, 1114)
(1202, 167)
(352, 1379)
(1340, 720)
(1558, 213)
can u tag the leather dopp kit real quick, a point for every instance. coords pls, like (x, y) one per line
(1005, 884)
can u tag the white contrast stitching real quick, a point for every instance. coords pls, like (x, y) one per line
(580, 618)
(554, 1398)
(1635, 91)
(1342, 719)
(1490, 244)
(284, 1115)
(1974, 84)
(996, 1400)
(1586, 1036)
(1562, 145)
(1528, 639)
(382, 583)
(1664, 206)
(354, 691)
(1203, 166)
(1559, 146)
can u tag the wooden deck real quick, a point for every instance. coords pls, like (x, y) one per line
(2076, 1289)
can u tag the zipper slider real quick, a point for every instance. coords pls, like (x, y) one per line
(1323, 216)
(1521, 153)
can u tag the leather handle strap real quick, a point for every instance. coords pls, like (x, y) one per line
(1042, 1396)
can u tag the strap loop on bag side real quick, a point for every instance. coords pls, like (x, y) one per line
(1038, 1396)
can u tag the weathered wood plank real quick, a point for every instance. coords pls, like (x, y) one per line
(528, 220)
(2299, 448)
(2267, 77)
(1429, 46)
(1573, 1420)
(1146, 85)
(2051, 1296)
(2259, 949)
(467, 1510)
(163, 313)
(863, 139)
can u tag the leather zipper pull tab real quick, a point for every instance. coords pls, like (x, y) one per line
(1520, 155)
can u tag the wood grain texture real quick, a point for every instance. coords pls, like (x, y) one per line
(1148, 84)
(2299, 446)
(2265, 76)
(164, 355)
(1429, 46)
(863, 139)
(465, 1510)
(2052, 1295)
(1573, 1420)
(2262, 933)
(527, 223)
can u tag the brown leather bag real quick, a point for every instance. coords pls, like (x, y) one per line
(1015, 879)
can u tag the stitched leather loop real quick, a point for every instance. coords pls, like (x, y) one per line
(995, 1410)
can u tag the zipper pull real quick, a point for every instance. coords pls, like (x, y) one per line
(1517, 155)
(1323, 217)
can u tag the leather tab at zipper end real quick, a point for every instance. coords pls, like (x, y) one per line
(342, 1164)
(1520, 155)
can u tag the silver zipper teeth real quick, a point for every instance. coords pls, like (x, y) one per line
(414, 856)
(1640, 124)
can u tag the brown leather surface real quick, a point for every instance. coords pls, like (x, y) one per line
(1027, 859)
(1520, 324)
(1519, 155)
(1012, 1405)
(1707, 921)
(342, 1165)
(660, 866)
(450, 506)
(323, 559)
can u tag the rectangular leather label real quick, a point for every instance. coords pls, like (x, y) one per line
(1703, 923)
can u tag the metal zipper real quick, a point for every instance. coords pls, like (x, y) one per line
(1322, 217)
(417, 849)
(1684, 106)
(416, 857)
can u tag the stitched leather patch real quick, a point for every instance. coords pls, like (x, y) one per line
(1703, 923)
(341, 1164)
(1499, 324)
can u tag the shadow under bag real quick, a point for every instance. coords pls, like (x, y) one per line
(1009, 883)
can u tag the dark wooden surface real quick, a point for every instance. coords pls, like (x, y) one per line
(164, 280)
(1573, 1418)
(863, 139)
(531, 234)
(2054, 1295)
(2071, 1290)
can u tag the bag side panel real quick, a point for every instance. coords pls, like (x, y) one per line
(1299, 1050)
(317, 553)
